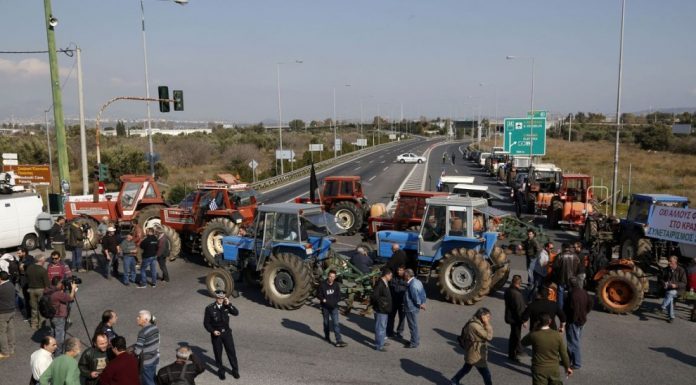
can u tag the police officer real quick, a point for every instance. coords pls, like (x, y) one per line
(216, 322)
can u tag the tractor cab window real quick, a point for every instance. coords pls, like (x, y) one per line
(243, 198)
(575, 187)
(331, 188)
(150, 192)
(358, 188)
(479, 224)
(347, 187)
(638, 211)
(206, 200)
(130, 191)
(187, 202)
(268, 227)
(286, 227)
(434, 227)
(457, 220)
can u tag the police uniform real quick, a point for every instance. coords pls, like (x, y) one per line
(217, 319)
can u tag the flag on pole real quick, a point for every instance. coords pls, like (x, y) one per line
(313, 185)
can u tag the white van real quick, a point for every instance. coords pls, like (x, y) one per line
(18, 212)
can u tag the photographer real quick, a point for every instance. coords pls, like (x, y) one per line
(60, 300)
(75, 241)
(186, 367)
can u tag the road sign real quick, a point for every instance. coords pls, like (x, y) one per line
(36, 174)
(253, 164)
(319, 147)
(337, 144)
(285, 154)
(9, 155)
(537, 114)
(392, 136)
(519, 132)
(361, 143)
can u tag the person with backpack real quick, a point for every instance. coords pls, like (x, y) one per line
(183, 371)
(474, 340)
(37, 282)
(76, 241)
(60, 300)
(163, 250)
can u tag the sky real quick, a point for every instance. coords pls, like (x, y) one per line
(436, 58)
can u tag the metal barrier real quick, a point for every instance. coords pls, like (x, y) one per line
(300, 172)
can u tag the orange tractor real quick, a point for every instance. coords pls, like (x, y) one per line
(570, 204)
(139, 199)
(543, 182)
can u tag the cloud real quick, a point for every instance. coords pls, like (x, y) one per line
(28, 68)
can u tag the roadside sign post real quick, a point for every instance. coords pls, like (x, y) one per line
(253, 165)
(316, 147)
(525, 136)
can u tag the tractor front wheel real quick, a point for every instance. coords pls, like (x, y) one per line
(174, 242)
(220, 279)
(149, 216)
(286, 281)
(620, 291)
(348, 216)
(464, 276)
(211, 238)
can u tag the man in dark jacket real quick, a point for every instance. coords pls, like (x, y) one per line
(58, 236)
(382, 305)
(216, 322)
(531, 250)
(149, 246)
(163, 250)
(110, 250)
(187, 367)
(123, 369)
(397, 287)
(565, 266)
(37, 282)
(578, 305)
(514, 308)
(548, 349)
(397, 259)
(7, 312)
(25, 260)
(76, 241)
(673, 280)
(329, 294)
(543, 305)
(93, 360)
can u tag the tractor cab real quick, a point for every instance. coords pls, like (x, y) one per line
(641, 204)
(544, 178)
(343, 197)
(136, 191)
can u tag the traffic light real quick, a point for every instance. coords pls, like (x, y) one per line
(96, 172)
(178, 97)
(163, 92)
(103, 172)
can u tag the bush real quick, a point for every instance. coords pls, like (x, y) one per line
(654, 138)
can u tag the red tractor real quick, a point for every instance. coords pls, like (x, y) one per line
(214, 210)
(570, 205)
(343, 197)
(407, 214)
(139, 199)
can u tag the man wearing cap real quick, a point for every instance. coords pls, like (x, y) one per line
(216, 322)
(110, 250)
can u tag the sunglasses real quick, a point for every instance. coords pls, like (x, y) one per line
(56, 259)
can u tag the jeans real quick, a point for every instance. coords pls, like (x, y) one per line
(380, 329)
(147, 374)
(573, 335)
(77, 258)
(483, 370)
(58, 325)
(7, 333)
(150, 262)
(412, 320)
(560, 295)
(398, 309)
(668, 302)
(162, 262)
(333, 314)
(128, 269)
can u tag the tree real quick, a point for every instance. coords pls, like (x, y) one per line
(296, 124)
(120, 129)
(654, 137)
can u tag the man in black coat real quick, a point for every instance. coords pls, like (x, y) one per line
(382, 305)
(514, 308)
(397, 259)
(216, 322)
(543, 305)
(397, 287)
(187, 366)
(329, 294)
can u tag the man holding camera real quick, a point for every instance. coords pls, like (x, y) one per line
(60, 300)
(216, 322)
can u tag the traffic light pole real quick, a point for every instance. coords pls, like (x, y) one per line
(63, 170)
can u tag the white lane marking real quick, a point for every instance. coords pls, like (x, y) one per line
(385, 169)
(382, 161)
(373, 177)
(357, 168)
(457, 171)
(372, 161)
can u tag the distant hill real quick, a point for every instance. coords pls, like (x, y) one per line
(672, 110)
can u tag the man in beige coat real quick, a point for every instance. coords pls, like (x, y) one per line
(474, 340)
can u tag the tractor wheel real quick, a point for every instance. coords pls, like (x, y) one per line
(286, 282)
(30, 241)
(174, 242)
(499, 278)
(367, 248)
(620, 292)
(464, 276)
(642, 278)
(639, 250)
(220, 279)
(590, 231)
(149, 216)
(211, 238)
(498, 256)
(91, 240)
(348, 216)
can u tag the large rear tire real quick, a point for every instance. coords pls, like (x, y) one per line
(286, 282)
(91, 240)
(590, 231)
(502, 268)
(640, 274)
(348, 216)
(220, 279)
(464, 276)
(174, 242)
(500, 278)
(211, 238)
(620, 291)
(149, 216)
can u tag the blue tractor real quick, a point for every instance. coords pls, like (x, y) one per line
(458, 240)
(288, 247)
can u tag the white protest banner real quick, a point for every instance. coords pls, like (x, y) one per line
(672, 224)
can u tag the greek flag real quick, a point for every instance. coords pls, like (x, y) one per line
(213, 205)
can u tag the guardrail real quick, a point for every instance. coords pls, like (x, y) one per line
(300, 172)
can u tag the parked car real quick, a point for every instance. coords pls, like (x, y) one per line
(410, 158)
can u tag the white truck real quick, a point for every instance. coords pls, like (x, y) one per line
(18, 212)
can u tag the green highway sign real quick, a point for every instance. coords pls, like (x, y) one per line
(537, 114)
(519, 132)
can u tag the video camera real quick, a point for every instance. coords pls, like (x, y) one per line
(69, 281)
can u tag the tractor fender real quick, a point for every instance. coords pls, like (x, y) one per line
(233, 244)
(405, 239)
(295, 249)
(616, 264)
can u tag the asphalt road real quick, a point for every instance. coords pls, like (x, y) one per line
(286, 347)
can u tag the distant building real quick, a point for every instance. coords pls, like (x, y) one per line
(682, 129)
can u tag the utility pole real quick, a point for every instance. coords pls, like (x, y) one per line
(618, 115)
(63, 171)
(83, 136)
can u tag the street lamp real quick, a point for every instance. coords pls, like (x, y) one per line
(334, 119)
(280, 111)
(531, 103)
(618, 114)
(151, 159)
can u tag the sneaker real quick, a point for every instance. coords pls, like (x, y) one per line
(153, 286)
(410, 346)
(670, 320)
(382, 349)
(341, 344)
(141, 286)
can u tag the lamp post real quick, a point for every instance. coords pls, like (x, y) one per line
(531, 103)
(334, 119)
(280, 112)
(150, 157)
(618, 114)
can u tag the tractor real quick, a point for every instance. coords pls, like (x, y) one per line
(407, 214)
(543, 182)
(289, 248)
(343, 197)
(455, 240)
(570, 205)
(217, 208)
(139, 199)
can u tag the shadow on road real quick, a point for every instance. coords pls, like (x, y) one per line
(207, 360)
(300, 327)
(677, 355)
(417, 370)
(497, 355)
(451, 339)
